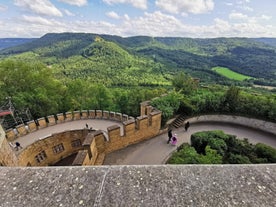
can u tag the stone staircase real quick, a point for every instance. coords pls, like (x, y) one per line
(179, 121)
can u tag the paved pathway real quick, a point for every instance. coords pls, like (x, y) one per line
(156, 151)
(153, 151)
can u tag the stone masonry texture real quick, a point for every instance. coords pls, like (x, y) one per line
(160, 185)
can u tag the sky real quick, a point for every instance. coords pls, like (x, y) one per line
(162, 18)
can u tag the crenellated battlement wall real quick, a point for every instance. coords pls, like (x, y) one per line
(43, 122)
(91, 146)
(49, 150)
(94, 144)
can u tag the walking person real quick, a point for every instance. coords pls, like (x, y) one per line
(170, 136)
(18, 146)
(174, 140)
(187, 125)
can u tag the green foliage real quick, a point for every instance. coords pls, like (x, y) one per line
(31, 86)
(207, 100)
(188, 155)
(216, 147)
(252, 57)
(184, 83)
(211, 157)
(238, 159)
(186, 107)
(234, 100)
(85, 69)
(168, 104)
(231, 99)
(266, 152)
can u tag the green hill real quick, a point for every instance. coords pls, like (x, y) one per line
(143, 60)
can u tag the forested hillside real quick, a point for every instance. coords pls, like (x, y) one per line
(146, 60)
(74, 71)
(11, 42)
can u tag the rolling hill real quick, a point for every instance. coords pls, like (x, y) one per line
(143, 60)
(11, 42)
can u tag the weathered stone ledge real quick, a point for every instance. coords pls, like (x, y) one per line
(164, 185)
(269, 127)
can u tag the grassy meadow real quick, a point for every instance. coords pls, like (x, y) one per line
(230, 74)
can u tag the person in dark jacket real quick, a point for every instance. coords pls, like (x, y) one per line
(187, 125)
(170, 136)
(18, 146)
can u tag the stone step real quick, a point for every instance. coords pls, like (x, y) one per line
(179, 121)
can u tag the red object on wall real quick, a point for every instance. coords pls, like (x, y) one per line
(4, 113)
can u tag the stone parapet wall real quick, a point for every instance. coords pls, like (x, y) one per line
(165, 185)
(40, 123)
(239, 120)
(28, 155)
(94, 144)
(7, 156)
(98, 145)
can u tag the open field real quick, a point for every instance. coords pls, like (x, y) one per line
(230, 74)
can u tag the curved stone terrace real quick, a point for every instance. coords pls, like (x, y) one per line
(96, 124)
(143, 185)
(155, 150)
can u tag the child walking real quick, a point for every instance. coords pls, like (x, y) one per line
(174, 140)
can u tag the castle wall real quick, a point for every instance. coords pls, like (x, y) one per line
(94, 145)
(52, 149)
(82, 158)
(144, 127)
(7, 155)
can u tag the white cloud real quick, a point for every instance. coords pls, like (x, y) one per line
(244, 5)
(141, 4)
(238, 16)
(75, 2)
(126, 17)
(68, 13)
(3, 8)
(113, 15)
(229, 4)
(265, 17)
(43, 7)
(185, 6)
(40, 21)
(153, 24)
(247, 8)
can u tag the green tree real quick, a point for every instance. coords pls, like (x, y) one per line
(231, 99)
(184, 83)
(238, 159)
(267, 152)
(187, 155)
(31, 85)
(102, 98)
(168, 104)
(211, 157)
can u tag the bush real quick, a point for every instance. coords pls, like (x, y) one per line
(266, 152)
(216, 147)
